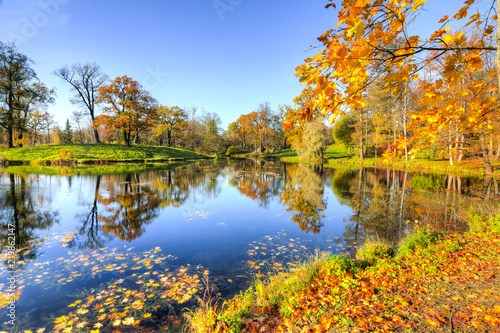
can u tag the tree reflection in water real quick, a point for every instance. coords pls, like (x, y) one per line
(25, 214)
(124, 204)
(303, 196)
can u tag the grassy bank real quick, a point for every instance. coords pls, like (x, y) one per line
(338, 155)
(435, 283)
(95, 153)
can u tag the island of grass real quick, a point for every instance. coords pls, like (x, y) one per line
(95, 154)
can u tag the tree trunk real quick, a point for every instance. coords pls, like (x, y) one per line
(404, 127)
(169, 137)
(20, 138)
(96, 136)
(321, 155)
(361, 156)
(486, 158)
(495, 158)
(450, 145)
(10, 137)
(96, 132)
(490, 151)
(461, 154)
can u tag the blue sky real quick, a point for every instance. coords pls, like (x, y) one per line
(184, 52)
(225, 56)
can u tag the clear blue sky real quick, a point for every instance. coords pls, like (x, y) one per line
(184, 52)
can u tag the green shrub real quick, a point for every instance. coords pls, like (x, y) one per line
(373, 251)
(232, 150)
(421, 239)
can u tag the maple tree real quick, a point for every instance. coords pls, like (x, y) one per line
(85, 81)
(371, 40)
(129, 108)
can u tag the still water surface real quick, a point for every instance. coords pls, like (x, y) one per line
(129, 247)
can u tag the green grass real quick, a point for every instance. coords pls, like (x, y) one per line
(88, 153)
(330, 152)
(338, 155)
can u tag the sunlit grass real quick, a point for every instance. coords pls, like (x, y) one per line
(96, 152)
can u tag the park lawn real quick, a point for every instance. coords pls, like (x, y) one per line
(436, 283)
(330, 152)
(84, 153)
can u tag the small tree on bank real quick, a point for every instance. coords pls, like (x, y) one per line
(66, 135)
(314, 137)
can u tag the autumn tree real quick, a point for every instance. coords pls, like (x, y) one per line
(129, 108)
(170, 119)
(258, 124)
(85, 81)
(281, 133)
(34, 97)
(313, 140)
(361, 49)
(20, 92)
(211, 129)
(236, 134)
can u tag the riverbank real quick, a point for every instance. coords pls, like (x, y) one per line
(94, 154)
(337, 155)
(435, 283)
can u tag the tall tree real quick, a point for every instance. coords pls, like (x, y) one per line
(170, 118)
(35, 96)
(129, 107)
(85, 81)
(16, 78)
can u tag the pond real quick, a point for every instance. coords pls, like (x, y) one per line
(129, 248)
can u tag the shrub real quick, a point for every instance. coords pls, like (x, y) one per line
(232, 150)
(373, 251)
(421, 239)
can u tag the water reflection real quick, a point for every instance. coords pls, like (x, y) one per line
(123, 205)
(298, 208)
(303, 196)
(23, 214)
(258, 180)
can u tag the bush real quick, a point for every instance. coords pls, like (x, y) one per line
(373, 251)
(422, 239)
(232, 150)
